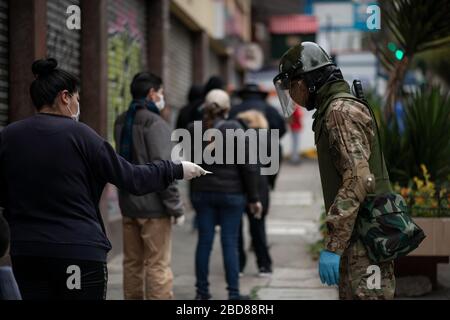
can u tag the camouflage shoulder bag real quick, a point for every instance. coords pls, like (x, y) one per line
(386, 229)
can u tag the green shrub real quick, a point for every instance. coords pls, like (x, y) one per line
(425, 139)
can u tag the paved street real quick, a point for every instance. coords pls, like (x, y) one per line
(292, 224)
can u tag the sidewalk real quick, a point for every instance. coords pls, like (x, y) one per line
(292, 224)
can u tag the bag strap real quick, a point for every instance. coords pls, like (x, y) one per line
(345, 95)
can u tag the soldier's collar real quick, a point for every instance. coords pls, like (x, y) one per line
(327, 91)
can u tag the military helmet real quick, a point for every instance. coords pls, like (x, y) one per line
(296, 62)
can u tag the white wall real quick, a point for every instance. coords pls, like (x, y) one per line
(360, 65)
(337, 16)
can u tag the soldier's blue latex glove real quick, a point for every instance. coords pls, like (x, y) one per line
(329, 267)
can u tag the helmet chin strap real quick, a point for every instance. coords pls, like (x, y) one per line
(315, 84)
(310, 103)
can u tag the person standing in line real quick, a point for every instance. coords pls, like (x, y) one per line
(144, 136)
(185, 116)
(193, 111)
(195, 97)
(255, 120)
(254, 99)
(221, 198)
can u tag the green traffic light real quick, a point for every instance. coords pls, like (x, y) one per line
(391, 46)
(399, 54)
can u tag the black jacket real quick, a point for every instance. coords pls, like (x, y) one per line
(52, 174)
(189, 113)
(230, 178)
(275, 120)
(250, 120)
(255, 102)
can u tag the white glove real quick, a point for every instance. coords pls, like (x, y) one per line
(178, 221)
(191, 170)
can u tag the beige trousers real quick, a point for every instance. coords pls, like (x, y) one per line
(147, 257)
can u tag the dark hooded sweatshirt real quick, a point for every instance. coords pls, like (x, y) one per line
(52, 174)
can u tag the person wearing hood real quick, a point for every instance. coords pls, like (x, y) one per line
(195, 98)
(193, 111)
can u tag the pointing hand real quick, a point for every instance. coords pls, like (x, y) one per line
(191, 170)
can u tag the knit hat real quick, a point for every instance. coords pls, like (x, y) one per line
(220, 98)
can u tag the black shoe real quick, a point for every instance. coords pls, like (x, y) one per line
(265, 272)
(202, 297)
(241, 297)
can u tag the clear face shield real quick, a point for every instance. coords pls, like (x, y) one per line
(282, 85)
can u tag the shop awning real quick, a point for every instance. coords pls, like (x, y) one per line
(293, 24)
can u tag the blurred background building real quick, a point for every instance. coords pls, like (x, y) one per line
(184, 41)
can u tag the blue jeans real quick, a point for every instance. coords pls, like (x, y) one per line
(224, 209)
(8, 285)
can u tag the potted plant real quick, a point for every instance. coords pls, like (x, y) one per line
(430, 207)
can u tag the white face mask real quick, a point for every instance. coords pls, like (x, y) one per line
(76, 116)
(161, 103)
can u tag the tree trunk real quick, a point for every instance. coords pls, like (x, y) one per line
(394, 85)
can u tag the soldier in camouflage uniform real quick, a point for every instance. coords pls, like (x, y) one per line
(350, 162)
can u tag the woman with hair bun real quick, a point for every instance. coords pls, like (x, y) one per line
(52, 173)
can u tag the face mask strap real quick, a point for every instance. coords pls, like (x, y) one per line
(75, 116)
(161, 103)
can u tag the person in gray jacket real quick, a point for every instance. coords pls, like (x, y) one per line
(142, 136)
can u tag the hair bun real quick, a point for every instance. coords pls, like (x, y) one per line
(44, 67)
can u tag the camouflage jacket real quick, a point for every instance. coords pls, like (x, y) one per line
(344, 133)
(350, 132)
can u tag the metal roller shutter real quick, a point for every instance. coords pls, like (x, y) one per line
(180, 63)
(3, 63)
(127, 33)
(63, 44)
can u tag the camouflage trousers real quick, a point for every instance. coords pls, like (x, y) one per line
(357, 276)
